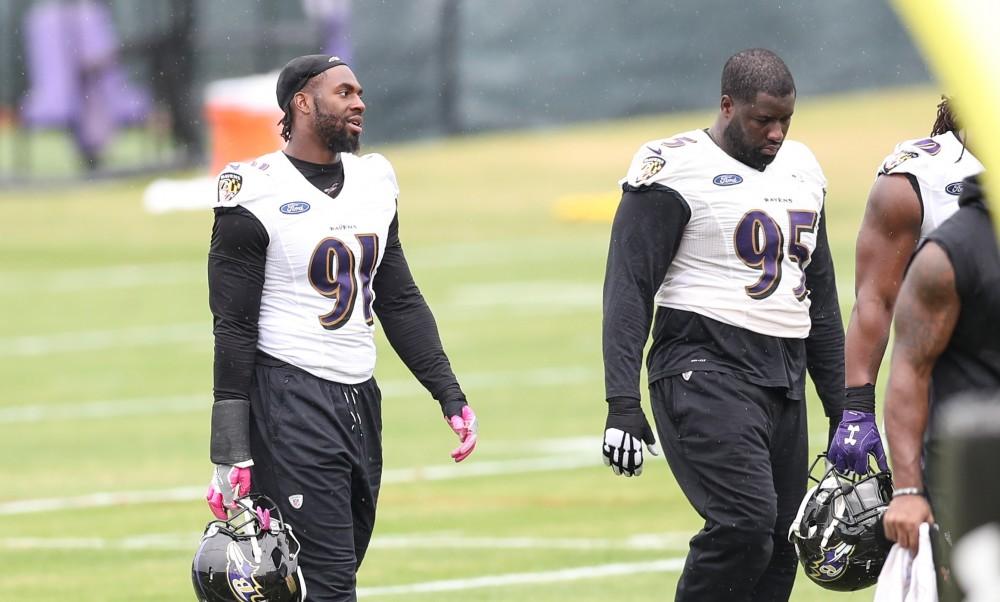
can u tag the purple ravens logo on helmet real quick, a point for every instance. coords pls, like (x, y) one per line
(241, 575)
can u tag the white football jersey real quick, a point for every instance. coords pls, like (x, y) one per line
(751, 233)
(939, 164)
(323, 253)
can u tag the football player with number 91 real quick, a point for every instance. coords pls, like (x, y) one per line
(305, 254)
(722, 232)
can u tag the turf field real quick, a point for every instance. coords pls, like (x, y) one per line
(105, 359)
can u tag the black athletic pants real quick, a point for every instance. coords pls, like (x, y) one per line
(317, 453)
(740, 453)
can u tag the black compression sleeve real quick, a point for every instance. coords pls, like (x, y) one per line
(825, 344)
(235, 281)
(645, 235)
(409, 324)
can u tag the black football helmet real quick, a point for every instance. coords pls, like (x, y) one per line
(248, 558)
(837, 532)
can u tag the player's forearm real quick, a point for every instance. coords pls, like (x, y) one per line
(414, 336)
(906, 411)
(625, 331)
(234, 294)
(867, 338)
(409, 324)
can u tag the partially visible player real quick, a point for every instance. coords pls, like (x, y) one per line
(915, 191)
(721, 231)
(947, 343)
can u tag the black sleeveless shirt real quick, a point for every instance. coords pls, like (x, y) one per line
(971, 362)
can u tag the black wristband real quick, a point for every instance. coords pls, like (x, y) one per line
(230, 442)
(860, 399)
(624, 405)
(453, 407)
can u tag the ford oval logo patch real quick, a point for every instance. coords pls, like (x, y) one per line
(294, 207)
(727, 179)
(954, 188)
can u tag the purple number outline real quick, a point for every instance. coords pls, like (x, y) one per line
(755, 227)
(799, 222)
(366, 269)
(759, 243)
(332, 272)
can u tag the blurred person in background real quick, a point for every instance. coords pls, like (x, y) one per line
(76, 79)
(915, 191)
(722, 231)
(334, 17)
(163, 34)
(305, 253)
(946, 345)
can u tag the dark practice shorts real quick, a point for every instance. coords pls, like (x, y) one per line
(317, 451)
(739, 452)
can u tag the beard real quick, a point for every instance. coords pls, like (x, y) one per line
(742, 150)
(332, 131)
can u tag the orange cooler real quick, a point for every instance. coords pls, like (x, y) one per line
(242, 116)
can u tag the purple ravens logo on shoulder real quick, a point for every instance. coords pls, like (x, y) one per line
(650, 167)
(229, 186)
(897, 159)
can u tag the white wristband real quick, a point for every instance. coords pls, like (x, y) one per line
(907, 491)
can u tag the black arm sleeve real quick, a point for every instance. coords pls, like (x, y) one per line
(645, 235)
(825, 344)
(409, 324)
(235, 281)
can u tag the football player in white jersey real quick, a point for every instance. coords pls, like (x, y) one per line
(305, 253)
(721, 233)
(916, 189)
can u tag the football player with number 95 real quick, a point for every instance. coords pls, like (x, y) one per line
(722, 232)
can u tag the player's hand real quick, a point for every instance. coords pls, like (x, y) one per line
(228, 482)
(462, 420)
(624, 432)
(857, 437)
(902, 520)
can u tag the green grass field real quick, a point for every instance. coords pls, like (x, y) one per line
(105, 360)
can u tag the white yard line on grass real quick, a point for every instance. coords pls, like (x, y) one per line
(442, 472)
(178, 404)
(134, 275)
(430, 541)
(96, 340)
(105, 277)
(97, 410)
(599, 571)
(652, 541)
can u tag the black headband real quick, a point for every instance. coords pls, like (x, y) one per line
(298, 71)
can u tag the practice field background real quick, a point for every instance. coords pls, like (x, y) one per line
(105, 360)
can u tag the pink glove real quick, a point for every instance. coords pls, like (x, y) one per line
(264, 518)
(466, 427)
(228, 481)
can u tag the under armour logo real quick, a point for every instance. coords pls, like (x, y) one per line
(850, 440)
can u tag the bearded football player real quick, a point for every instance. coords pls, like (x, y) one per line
(305, 255)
